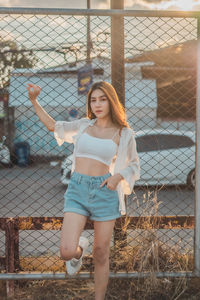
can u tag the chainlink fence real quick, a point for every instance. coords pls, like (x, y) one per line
(159, 61)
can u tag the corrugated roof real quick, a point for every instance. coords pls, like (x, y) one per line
(177, 55)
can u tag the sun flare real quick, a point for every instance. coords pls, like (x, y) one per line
(187, 4)
(176, 5)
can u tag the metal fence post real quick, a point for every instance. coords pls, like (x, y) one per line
(118, 79)
(117, 51)
(197, 169)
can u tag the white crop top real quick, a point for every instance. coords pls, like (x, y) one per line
(100, 149)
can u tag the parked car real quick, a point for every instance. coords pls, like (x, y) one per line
(166, 157)
(66, 169)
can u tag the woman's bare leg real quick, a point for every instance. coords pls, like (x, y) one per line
(73, 225)
(102, 237)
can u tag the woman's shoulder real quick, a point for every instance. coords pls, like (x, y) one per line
(128, 131)
(85, 122)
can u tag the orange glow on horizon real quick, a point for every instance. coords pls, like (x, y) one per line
(179, 4)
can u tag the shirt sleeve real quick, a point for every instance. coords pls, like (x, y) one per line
(64, 131)
(131, 172)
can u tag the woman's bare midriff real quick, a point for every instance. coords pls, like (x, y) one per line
(91, 167)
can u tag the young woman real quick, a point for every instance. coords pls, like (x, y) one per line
(104, 168)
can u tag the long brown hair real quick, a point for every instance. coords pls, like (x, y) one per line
(117, 111)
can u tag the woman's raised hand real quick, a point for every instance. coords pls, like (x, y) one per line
(33, 91)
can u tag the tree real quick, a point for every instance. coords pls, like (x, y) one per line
(13, 56)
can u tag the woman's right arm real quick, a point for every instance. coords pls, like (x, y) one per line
(45, 118)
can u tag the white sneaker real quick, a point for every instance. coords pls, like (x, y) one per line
(74, 265)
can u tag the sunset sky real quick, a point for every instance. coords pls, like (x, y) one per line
(103, 4)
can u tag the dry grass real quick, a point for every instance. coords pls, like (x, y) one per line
(149, 255)
(118, 289)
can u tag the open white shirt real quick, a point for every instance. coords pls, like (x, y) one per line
(126, 162)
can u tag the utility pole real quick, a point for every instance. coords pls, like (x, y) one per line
(117, 51)
(88, 59)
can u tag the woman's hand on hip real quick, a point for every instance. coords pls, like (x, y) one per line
(33, 91)
(112, 181)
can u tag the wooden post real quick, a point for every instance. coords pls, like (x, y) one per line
(16, 244)
(12, 252)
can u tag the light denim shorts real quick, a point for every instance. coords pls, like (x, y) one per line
(85, 196)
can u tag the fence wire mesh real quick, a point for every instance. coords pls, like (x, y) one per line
(160, 94)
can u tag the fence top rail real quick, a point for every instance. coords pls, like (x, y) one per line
(99, 12)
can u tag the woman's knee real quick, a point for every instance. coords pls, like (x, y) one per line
(67, 253)
(101, 254)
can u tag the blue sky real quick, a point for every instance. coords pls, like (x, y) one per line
(103, 4)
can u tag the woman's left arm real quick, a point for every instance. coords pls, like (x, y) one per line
(112, 181)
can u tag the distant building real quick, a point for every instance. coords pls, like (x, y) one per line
(174, 69)
(60, 95)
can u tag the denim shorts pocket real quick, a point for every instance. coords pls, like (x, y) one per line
(108, 187)
(73, 180)
(111, 191)
(72, 184)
